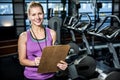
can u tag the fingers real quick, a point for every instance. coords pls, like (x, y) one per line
(37, 61)
(63, 62)
(62, 65)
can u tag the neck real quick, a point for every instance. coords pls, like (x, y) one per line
(37, 28)
(38, 32)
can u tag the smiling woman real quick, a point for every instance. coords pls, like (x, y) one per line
(33, 41)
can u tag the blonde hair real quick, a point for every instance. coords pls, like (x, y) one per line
(34, 4)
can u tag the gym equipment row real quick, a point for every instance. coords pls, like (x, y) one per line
(107, 33)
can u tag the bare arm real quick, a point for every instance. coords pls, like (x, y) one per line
(53, 34)
(22, 51)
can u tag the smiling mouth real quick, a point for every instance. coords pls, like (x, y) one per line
(38, 21)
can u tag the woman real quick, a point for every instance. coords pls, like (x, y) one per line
(32, 42)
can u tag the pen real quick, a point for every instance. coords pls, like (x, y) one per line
(34, 55)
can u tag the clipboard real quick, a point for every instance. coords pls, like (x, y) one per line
(52, 55)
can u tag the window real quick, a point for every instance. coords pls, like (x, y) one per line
(6, 14)
(86, 7)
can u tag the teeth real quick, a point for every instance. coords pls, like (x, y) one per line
(37, 21)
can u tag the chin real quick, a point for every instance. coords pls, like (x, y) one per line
(38, 24)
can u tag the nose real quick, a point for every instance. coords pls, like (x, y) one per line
(37, 16)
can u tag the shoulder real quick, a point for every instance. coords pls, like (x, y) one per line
(52, 32)
(23, 36)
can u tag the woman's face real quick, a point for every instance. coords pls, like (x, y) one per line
(36, 16)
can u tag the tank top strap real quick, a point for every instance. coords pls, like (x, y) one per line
(28, 34)
(48, 34)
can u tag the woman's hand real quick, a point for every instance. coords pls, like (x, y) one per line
(62, 65)
(37, 61)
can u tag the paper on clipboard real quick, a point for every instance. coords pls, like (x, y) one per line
(51, 56)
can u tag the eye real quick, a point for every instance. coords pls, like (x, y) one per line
(33, 14)
(40, 13)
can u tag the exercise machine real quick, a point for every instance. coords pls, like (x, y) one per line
(80, 66)
(109, 66)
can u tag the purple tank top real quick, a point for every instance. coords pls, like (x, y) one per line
(33, 50)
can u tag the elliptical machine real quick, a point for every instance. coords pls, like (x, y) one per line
(81, 67)
(111, 70)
